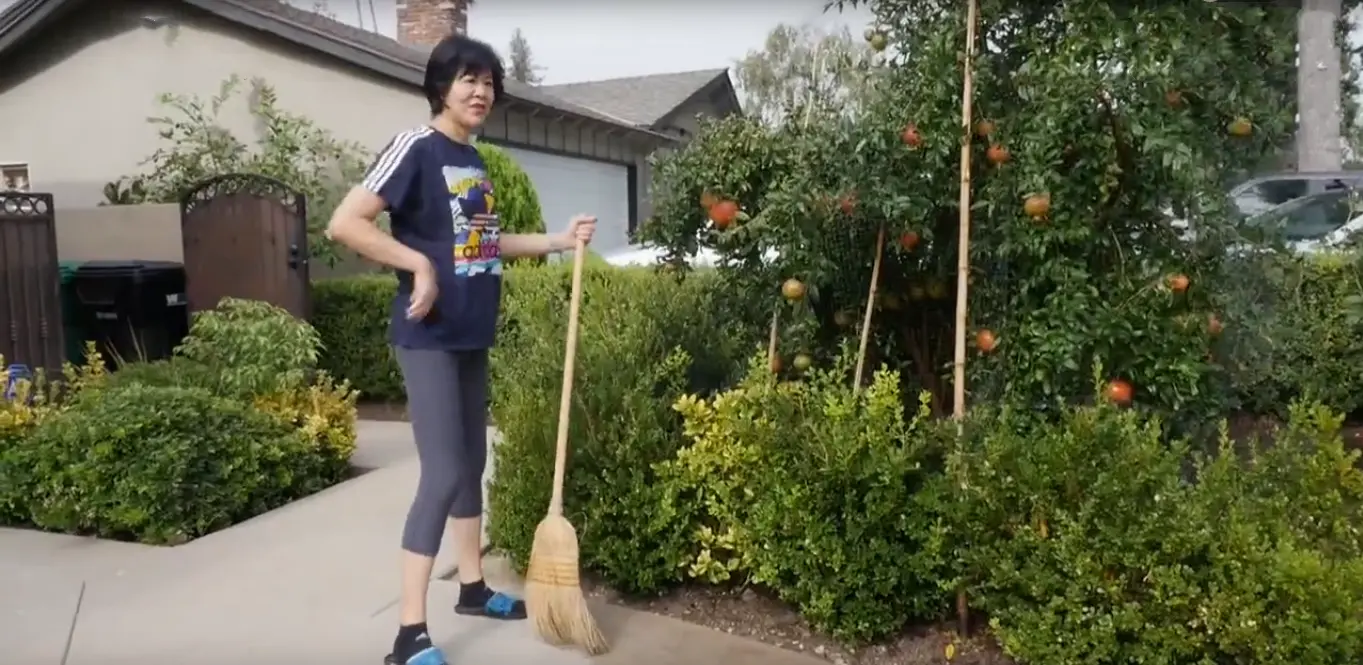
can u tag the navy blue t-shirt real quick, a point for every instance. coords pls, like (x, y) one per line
(441, 204)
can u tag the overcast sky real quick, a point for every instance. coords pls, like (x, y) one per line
(582, 40)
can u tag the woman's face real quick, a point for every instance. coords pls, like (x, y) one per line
(470, 98)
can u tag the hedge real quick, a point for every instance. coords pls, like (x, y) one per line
(1079, 533)
(237, 423)
(351, 316)
(1295, 331)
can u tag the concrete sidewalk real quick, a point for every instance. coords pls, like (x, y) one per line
(312, 582)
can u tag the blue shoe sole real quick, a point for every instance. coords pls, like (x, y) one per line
(428, 656)
(516, 614)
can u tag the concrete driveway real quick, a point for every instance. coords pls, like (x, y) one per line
(311, 582)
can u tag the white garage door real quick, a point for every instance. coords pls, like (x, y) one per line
(569, 186)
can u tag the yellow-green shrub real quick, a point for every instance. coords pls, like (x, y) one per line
(822, 494)
(114, 454)
(645, 340)
(323, 412)
(154, 464)
(251, 347)
(1293, 331)
(1284, 575)
(34, 402)
(1092, 540)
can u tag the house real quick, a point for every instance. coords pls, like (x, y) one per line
(666, 103)
(82, 76)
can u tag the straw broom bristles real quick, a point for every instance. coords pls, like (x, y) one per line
(553, 592)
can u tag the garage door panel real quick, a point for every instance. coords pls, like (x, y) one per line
(569, 186)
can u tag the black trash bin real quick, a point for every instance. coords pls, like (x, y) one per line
(133, 310)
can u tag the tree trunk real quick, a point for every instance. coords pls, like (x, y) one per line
(1319, 146)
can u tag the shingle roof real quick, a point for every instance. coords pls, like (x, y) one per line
(413, 56)
(407, 63)
(642, 100)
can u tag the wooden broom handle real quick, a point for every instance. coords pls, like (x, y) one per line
(566, 399)
(870, 307)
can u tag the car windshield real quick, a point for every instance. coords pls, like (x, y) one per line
(1263, 195)
(1308, 218)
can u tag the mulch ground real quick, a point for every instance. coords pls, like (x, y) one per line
(755, 615)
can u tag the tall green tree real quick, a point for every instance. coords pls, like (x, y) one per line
(1098, 124)
(802, 72)
(523, 66)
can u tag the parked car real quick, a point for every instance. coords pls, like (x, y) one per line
(1310, 211)
(1314, 222)
(1263, 193)
(649, 255)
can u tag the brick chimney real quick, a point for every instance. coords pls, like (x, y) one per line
(426, 22)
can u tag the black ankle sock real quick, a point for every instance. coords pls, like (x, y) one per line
(410, 640)
(474, 595)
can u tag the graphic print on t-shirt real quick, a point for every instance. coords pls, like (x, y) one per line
(477, 235)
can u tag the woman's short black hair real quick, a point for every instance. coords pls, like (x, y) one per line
(457, 56)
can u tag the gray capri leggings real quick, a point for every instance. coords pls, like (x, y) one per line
(447, 404)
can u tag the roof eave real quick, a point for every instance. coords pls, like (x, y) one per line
(374, 60)
(721, 79)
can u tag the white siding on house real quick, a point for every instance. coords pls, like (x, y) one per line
(570, 186)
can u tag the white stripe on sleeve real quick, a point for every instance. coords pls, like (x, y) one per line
(392, 157)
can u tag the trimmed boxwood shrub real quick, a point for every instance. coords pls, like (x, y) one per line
(156, 464)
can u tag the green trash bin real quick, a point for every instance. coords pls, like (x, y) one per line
(72, 330)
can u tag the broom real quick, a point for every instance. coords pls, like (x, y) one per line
(553, 590)
(870, 307)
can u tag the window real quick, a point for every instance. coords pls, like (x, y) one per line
(14, 177)
(1269, 194)
(1311, 217)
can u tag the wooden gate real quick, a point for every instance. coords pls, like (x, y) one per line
(245, 236)
(30, 286)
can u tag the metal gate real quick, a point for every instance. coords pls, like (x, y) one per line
(30, 285)
(245, 236)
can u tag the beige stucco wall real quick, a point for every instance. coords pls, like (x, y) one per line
(148, 232)
(117, 233)
(75, 105)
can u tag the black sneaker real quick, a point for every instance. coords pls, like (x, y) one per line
(419, 651)
(494, 605)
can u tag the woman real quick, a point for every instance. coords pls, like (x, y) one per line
(447, 249)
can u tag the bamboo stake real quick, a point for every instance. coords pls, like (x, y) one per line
(870, 308)
(773, 362)
(963, 256)
(963, 250)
